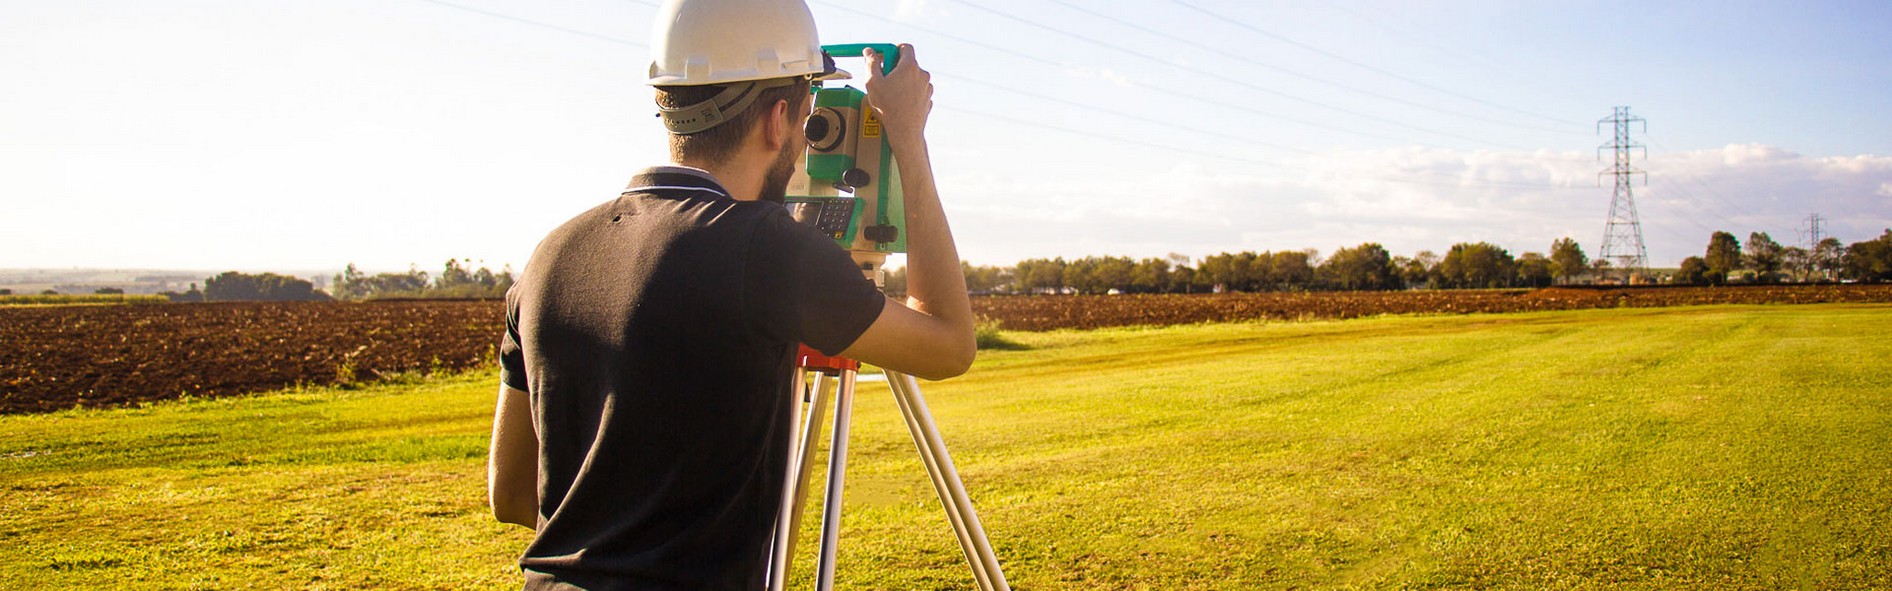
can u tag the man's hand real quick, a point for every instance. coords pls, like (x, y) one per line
(930, 335)
(903, 97)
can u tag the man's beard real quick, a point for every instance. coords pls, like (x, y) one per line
(775, 184)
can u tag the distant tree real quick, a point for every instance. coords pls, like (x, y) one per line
(1081, 275)
(1217, 271)
(353, 284)
(1116, 273)
(1041, 275)
(1722, 257)
(49, 292)
(1869, 261)
(5, 292)
(1763, 257)
(1796, 263)
(1599, 269)
(454, 276)
(1477, 265)
(1292, 270)
(1534, 270)
(1567, 260)
(983, 279)
(1242, 271)
(1693, 272)
(350, 284)
(1151, 275)
(894, 281)
(1400, 263)
(1182, 279)
(109, 291)
(1422, 270)
(232, 286)
(1364, 267)
(192, 296)
(1827, 256)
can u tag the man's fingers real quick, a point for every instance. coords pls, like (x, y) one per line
(906, 55)
(875, 60)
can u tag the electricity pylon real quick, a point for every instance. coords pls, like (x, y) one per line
(1622, 236)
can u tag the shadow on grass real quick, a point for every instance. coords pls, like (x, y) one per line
(989, 338)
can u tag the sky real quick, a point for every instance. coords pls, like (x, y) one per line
(273, 134)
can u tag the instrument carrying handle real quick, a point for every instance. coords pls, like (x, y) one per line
(889, 50)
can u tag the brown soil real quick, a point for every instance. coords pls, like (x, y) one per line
(60, 357)
(1086, 312)
(66, 356)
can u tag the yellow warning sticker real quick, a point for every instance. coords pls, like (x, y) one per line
(870, 125)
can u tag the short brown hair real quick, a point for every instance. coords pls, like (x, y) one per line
(719, 143)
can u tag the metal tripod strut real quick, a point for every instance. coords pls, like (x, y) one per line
(926, 439)
(952, 493)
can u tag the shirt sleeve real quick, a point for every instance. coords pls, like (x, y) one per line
(512, 359)
(803, 287)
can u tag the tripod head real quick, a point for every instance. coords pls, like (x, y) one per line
(848, 187)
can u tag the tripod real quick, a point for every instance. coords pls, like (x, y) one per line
(939, 466)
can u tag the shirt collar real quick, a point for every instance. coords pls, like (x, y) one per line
(675, 177)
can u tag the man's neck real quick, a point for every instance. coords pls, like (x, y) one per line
(742, 180)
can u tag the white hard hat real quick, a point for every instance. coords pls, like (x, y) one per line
(697, 42)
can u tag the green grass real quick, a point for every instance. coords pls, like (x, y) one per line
(1723, 447)
(88, 299)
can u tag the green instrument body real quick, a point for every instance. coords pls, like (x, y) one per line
(849, 185)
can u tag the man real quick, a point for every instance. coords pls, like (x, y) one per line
(643, 415)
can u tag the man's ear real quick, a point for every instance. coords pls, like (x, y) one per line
(776, 127)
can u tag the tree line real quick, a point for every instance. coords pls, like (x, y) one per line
(455, 281)
(1466, 265)
(232, 286)
(1763, 260)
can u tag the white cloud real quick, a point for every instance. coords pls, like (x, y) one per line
(1416, 199)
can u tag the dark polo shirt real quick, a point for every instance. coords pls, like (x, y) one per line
(656, 333)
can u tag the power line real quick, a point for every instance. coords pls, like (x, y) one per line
(1160, 89)
(1698, 181)
(1029, 123)
(1103, 136)
(1139, 143)
(1135, 83)
(540, 24)
(1370, 68)
(1228, 79)
(1677, 213)
(1121, 114)
(1700, 205)
(1272, 67)
(1454, 52)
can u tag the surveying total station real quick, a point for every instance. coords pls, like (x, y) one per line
(849, 189)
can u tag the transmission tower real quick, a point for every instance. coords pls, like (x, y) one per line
(1813, 230)
(1814, 235)
(1622, 236)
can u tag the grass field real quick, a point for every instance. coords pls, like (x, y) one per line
(1724, 447)
(79, 299)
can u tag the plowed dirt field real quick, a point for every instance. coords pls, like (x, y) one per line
(61, 357)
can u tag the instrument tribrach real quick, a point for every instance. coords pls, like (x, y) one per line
(849, 154)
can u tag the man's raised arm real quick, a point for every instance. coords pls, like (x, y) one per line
(931, 336)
